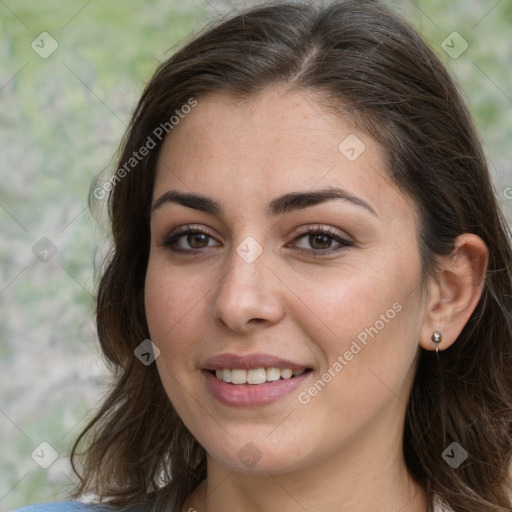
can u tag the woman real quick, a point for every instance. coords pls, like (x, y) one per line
(308, 302)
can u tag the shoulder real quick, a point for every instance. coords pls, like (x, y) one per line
(65, 506)
(77, 506)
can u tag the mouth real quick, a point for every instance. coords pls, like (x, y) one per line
(255, 376)
(253, 380)
(245, 394)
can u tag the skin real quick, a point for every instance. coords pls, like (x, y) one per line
(342, 450)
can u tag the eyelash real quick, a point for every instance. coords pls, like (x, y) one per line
(170, 241)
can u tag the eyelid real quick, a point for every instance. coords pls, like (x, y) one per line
(182, 231)
(312, 228)
(188, 229)
(344, 241)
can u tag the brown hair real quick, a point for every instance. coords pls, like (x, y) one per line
(361, 57)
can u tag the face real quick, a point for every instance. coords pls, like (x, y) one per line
(309, 304)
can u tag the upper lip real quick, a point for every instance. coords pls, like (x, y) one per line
(250, 361)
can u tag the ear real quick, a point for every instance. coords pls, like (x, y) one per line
(455, 291)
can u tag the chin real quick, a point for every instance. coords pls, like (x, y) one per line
(257, 462)
(258, 457)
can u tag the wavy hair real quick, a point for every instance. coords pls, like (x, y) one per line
(361, 60)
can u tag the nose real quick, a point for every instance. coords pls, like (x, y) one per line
(248, 294)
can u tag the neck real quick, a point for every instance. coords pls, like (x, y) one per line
(357, 478)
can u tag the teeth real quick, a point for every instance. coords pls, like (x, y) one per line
(286, 373)
(273, 374)
(238, 376)
(256, 375)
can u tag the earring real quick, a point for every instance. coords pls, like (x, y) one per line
(437, 338)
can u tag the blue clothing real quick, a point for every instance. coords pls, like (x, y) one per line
(77, 506)
(74, 506)
(65, 506)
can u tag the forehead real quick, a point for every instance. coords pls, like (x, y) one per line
(275, 142)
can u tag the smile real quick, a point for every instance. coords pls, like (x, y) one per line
(256, 375)
(241, 393)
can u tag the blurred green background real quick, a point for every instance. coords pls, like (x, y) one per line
(61, 120)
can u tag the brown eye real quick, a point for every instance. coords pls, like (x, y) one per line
(187, 240)
(197, 240)
(321, 240)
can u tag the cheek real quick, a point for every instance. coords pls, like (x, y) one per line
(175, 303)
(170, 296)
(365, 323)
(345, 300)
(171, 303)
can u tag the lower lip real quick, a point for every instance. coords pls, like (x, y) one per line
(251, 395)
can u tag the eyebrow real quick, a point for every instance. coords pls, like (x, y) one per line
(283, 204)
